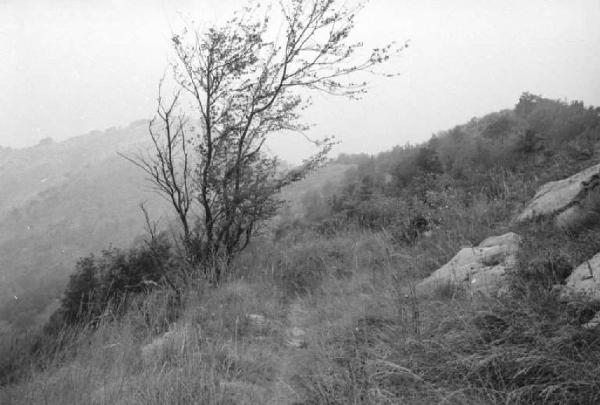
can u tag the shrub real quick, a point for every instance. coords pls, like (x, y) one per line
(105, 283)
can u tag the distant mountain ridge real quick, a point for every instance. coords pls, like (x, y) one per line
(63, 200)
(29, 171)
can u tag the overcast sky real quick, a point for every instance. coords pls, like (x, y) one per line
(72, 66)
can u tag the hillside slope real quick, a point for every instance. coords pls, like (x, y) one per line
(60, 201)
(330, 312)
(73, 198)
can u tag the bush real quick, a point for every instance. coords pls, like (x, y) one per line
(105, 283)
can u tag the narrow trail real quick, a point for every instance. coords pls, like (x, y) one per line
(286, 391)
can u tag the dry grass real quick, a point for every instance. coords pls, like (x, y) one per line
(360, 334)
(211, 355)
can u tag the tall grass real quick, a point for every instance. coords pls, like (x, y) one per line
(364, 336)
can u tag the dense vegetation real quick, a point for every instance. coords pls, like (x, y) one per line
(340, 264)
(495, 158)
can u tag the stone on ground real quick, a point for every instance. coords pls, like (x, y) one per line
(585, 279)
(572, 201)
(477, 269)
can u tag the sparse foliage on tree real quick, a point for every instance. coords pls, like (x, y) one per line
(236, 85)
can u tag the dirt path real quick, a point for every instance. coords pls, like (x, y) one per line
(286, 391)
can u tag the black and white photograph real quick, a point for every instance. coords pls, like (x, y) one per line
(299, 202)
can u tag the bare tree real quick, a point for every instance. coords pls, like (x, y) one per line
(169, 165)
(240, 83)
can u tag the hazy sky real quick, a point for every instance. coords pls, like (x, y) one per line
(72, 66)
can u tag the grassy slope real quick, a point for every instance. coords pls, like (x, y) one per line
(367, 339)
(359, 334)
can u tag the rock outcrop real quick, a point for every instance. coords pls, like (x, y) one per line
(296, 337)
(479, 269)
(256, 320)
(593, 323)
(585, 279)
(572, 201)
(170, 344)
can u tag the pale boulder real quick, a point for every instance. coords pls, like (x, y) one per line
(259, 321)
(585, 279)
(296, 337)
(593, 323)
(167, 346)
(478, 269)
(568, 199)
